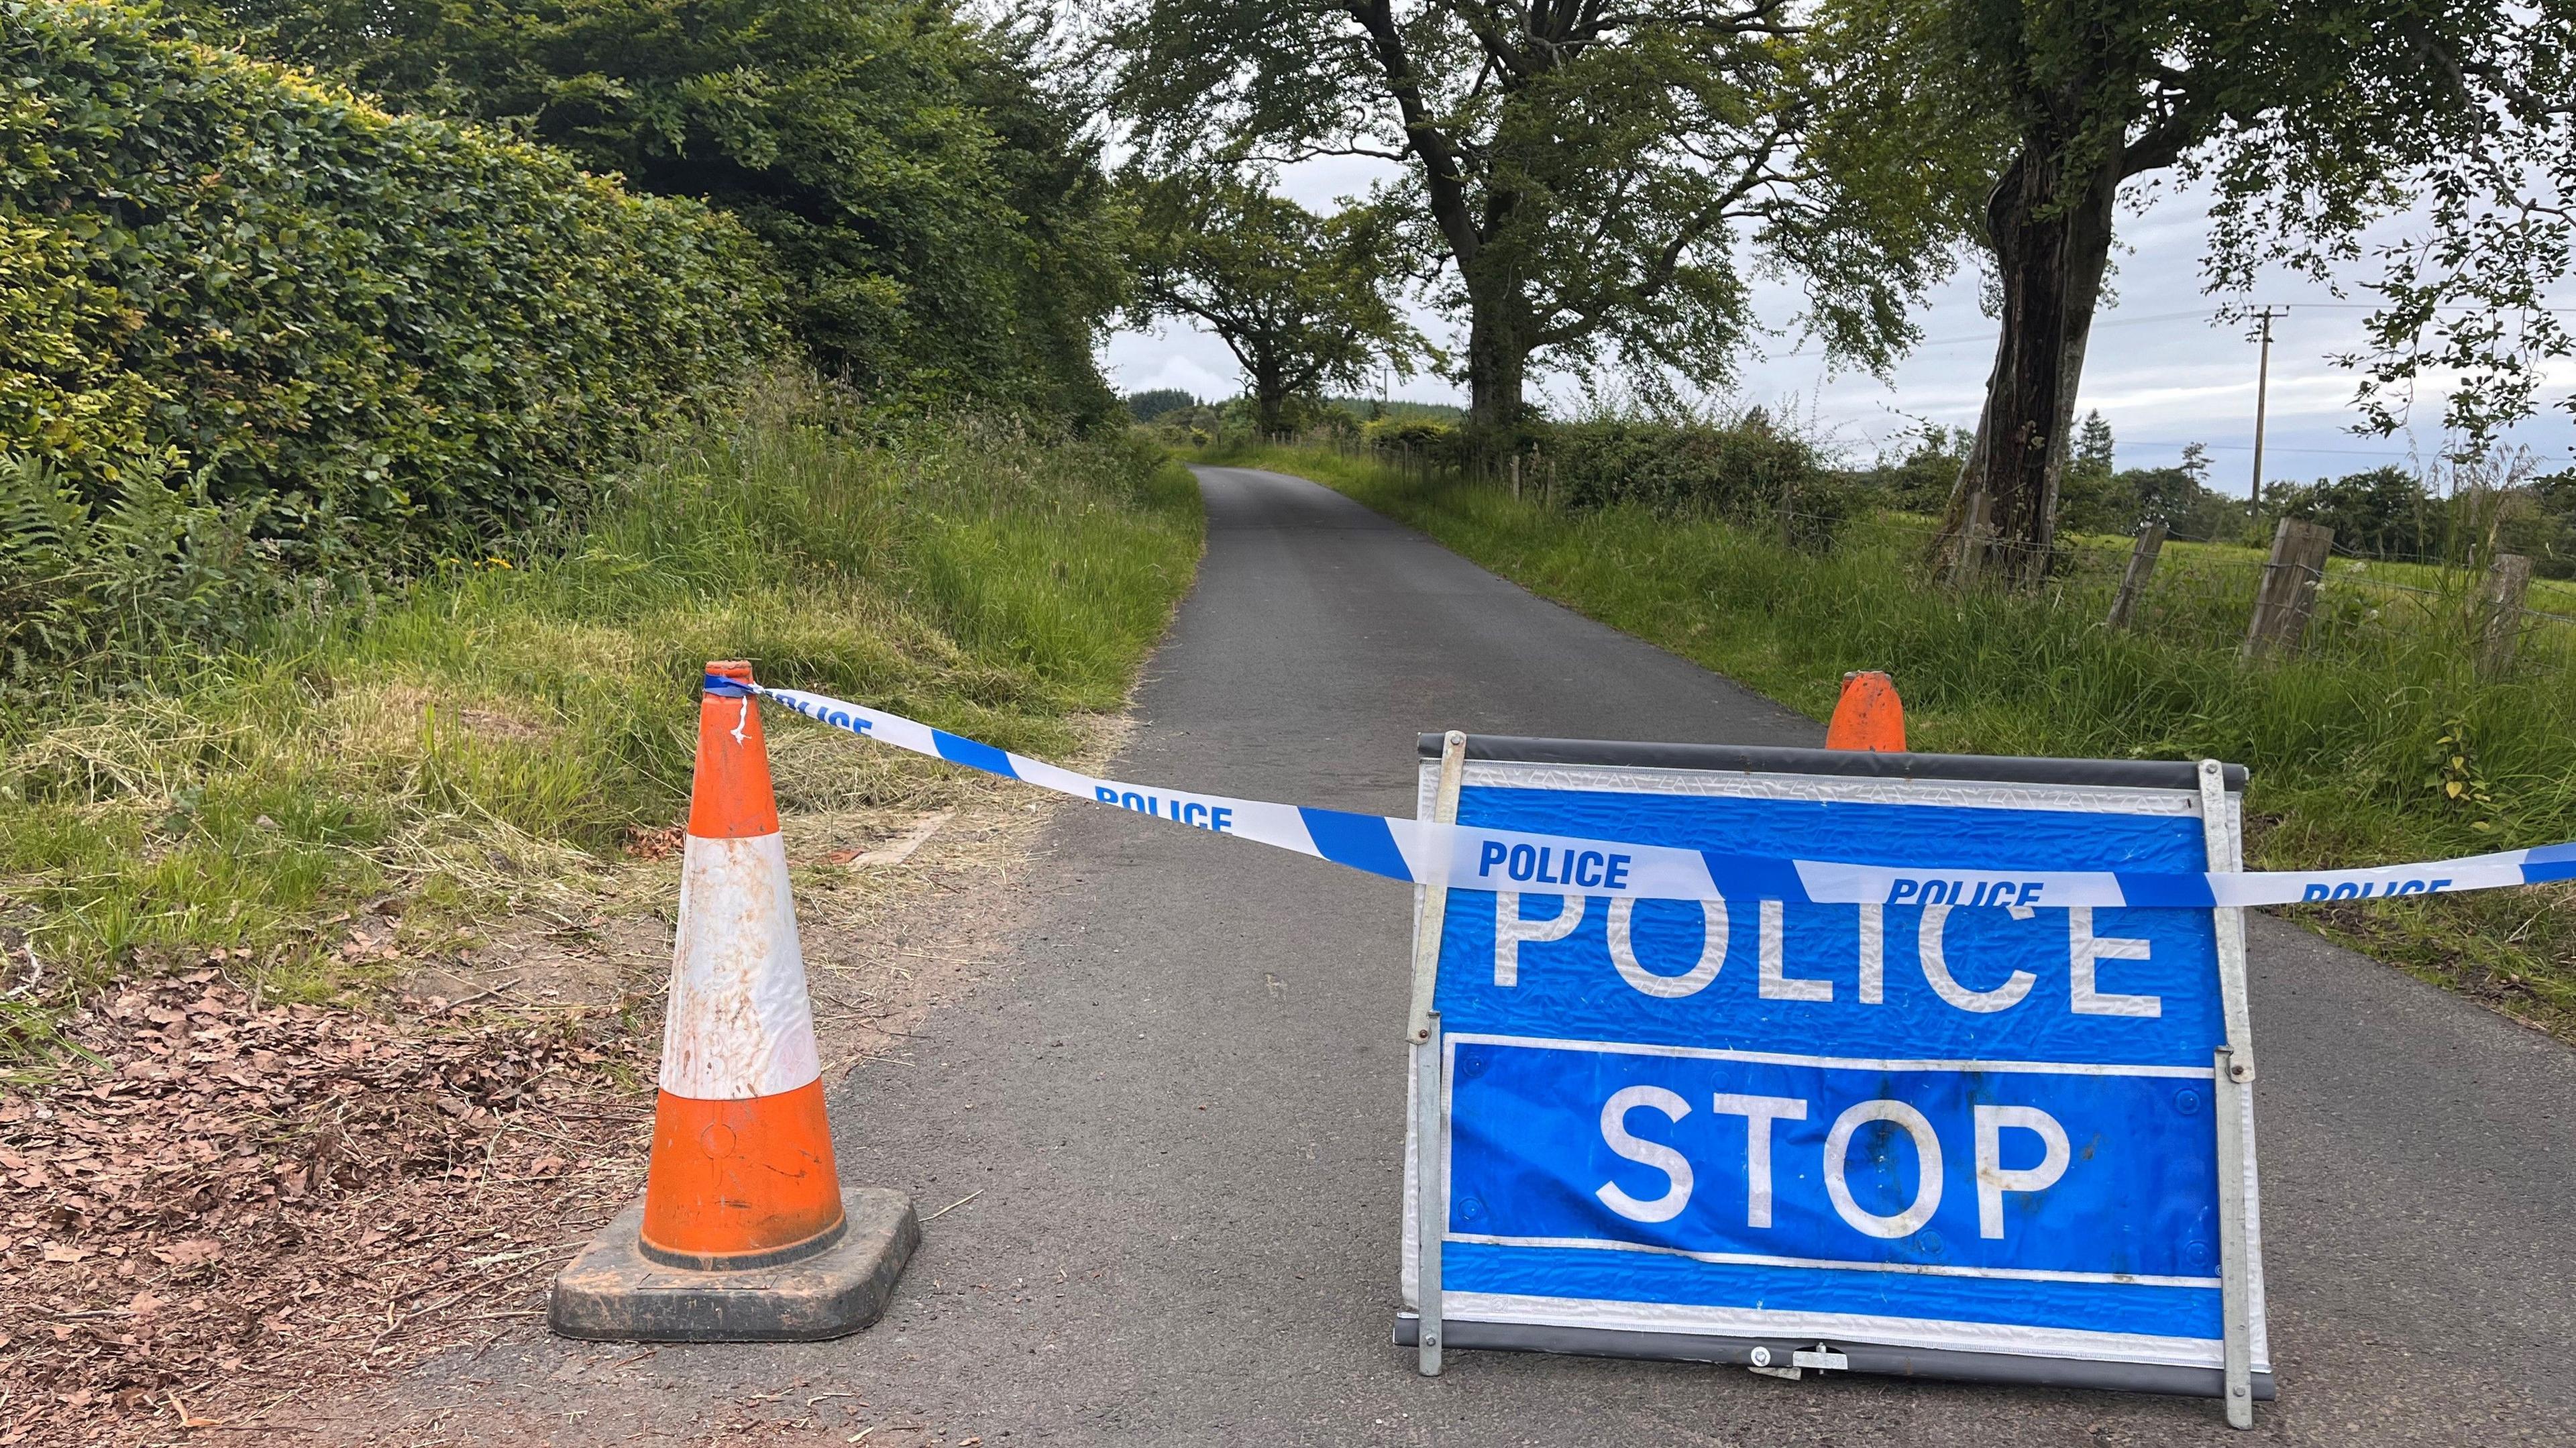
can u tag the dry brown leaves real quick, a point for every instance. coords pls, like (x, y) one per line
(227, 1201)
(644, 842)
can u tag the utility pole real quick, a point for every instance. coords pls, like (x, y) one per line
(2262, 395)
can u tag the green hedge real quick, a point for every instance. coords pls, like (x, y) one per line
(355, 339)
(1749, 470)
(1419, 438)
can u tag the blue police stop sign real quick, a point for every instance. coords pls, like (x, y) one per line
(1974, 1138)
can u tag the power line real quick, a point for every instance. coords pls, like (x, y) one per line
(1989, 337)
(2444, 307)
(2209, 313)
(2248, 447)
(2347, 452)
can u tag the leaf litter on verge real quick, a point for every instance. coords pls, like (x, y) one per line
(217, 1198)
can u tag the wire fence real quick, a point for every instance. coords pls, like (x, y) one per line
(2206, 594)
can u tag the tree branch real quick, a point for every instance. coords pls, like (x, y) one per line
(1660, 272)
(1442, 176)
(2161, 144)
(1759, 18)
(1308, 152)
(1493, 39)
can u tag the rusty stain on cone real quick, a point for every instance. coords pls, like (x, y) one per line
(1868, 716)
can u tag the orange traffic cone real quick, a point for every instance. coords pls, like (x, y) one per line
(744, 1234)
(1868, 716)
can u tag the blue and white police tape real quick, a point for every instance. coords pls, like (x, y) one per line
(1473, 858)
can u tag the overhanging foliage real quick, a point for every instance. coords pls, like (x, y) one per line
(935, 201)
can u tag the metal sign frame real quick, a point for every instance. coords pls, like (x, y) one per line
(2209, 790)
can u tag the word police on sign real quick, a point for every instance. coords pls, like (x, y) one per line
(1963, 1132)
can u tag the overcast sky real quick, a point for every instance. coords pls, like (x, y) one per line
(2160, 368)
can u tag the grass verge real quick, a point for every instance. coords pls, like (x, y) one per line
(2378, 745)
(479, 744)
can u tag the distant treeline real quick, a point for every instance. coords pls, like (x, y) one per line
(2387, 512)
(1752, 467)
(1172, 407)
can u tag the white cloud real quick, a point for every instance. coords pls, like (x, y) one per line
(1172, 357)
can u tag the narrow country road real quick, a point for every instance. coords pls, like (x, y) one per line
(1181, 1101)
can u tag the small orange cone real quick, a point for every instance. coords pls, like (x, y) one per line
(744, 1234)
(1869, 716)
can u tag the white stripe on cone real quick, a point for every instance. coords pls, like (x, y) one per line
(739, 1023)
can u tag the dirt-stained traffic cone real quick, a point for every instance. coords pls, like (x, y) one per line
(744, 1233)
(1868, 716)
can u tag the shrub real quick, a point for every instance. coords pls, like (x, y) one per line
(232, 291)
(1417, 437)
(2542, 525)
(1918, 479)
(1749, 470)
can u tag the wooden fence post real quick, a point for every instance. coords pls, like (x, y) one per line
(2288, 591)
(1972, 542)
(2133, 584)
(1516, 475)
(2500, 622)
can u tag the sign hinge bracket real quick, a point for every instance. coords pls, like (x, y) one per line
(1820, 1358)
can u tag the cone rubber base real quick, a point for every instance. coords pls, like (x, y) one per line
(613, 1293)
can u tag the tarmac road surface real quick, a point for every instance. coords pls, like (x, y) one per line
(1181, 1102)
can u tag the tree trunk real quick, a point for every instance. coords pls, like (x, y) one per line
(1270, 405)
(2051, 232)
(1497, 364)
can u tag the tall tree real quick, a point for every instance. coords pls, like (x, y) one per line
(2312, 118)
(1587, 178)
(935, 199)
(1300, 300)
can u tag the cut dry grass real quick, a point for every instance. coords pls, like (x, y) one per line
(478, 746)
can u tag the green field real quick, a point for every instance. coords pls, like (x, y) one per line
(494, 733)
(2377, 745)
(2553, 595)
